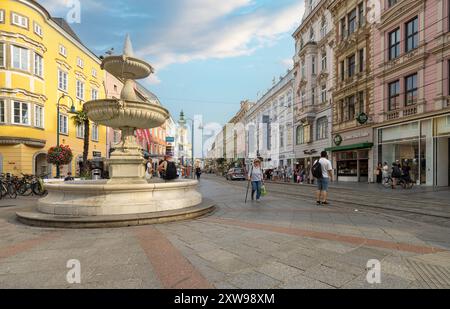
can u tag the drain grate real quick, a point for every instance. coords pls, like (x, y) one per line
(430, 276)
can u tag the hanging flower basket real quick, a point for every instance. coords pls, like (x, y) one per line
(60, 155)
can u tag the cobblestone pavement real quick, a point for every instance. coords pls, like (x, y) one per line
(285, 241)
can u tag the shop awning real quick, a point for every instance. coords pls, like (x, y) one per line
(349, 147)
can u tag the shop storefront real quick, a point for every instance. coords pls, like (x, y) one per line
(422, 146)
(351, 156)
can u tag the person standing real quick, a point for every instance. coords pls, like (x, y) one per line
(255, 175)
(324, 174)
(149, 169)
(198, 172)
(385, 171)
(396, 174)
(378, 172)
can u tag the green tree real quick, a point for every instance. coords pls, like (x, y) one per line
(81, 119)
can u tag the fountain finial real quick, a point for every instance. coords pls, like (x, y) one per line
(127, 47)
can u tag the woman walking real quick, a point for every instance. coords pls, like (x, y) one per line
(256, 177)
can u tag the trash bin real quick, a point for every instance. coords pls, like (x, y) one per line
(96, 174)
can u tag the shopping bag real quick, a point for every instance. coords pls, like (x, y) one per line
(263, 190)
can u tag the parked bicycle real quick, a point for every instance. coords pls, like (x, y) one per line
(31, 184)
(7, 186)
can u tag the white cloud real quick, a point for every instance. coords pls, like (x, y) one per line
(205, 29)
(288, 63)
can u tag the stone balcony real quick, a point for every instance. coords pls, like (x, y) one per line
(405, 111)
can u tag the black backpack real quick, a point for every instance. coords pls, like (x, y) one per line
(317, 170)
(171, 171)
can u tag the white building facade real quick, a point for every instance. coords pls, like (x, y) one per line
(269, 125)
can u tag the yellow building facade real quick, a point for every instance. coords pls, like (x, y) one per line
(42, 59)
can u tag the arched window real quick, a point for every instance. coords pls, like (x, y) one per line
(300, 135)
(322, 128)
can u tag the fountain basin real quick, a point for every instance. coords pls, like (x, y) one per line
(117, 113)
(94, 198)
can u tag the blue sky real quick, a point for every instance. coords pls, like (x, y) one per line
(208, 54)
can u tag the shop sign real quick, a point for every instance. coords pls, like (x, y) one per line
(362, 118)
(337, 139)
(96, 154)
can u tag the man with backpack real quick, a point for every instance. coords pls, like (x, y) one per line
(168, 169)
(323, 172)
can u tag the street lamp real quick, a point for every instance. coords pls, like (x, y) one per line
(201, 127)
(192, 146)
(72, 111)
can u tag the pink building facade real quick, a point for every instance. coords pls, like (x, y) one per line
(411, 61)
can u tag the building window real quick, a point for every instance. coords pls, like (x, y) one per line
(94, 72)
(281, 137)
(322, 128)
(352, 21)
(95, 132)
(62, 80)
(324, 61)
(361, 19)
(361, 101)
(300, 137)
(323, 28)
(94, 94)
(289, 100)
(313, 96)
(38, 65)
(2, 111)
(323, 94)
(361, 60)
(412, 34)
(303, 69)
(313, 64)
(394, 44)
(343, 29)
(342, 65)
(20, 58)
(2, 55)
(80, 130)
(394, 93)
(38, 116)
(37, 29)
(311, 35)
(349, 108)
(303, 96)
(2, 16)
(62, 50)
(63, 124)
(80, 90)
(19, 20)
(21, 113)
(411, 89)
(80, 62)
(392, 3)
(351, 65)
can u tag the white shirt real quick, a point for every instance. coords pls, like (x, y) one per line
(326, 166)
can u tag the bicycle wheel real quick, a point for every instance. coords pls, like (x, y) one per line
(3, 190)
(38, 189)
(387, 182)
(25, 189)
(12, 191)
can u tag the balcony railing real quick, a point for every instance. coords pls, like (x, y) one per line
(405, 111)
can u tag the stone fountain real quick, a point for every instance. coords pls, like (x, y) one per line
(126, 198)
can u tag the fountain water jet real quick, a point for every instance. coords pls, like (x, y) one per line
(127, 198)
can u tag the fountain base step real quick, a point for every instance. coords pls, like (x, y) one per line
(35, 218)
